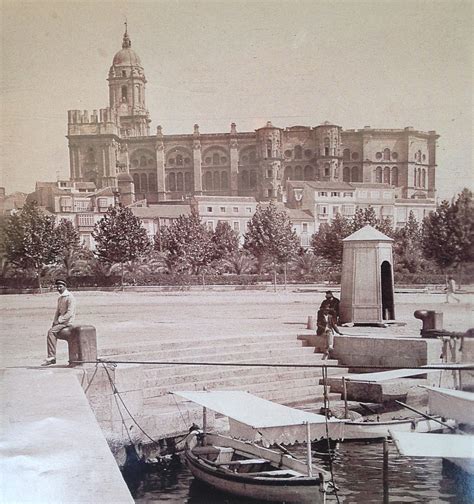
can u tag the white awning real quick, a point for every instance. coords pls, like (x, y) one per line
(256, 419)
(434, 445)
(388, 375)
(455, 404)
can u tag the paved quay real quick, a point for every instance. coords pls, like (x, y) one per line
(52, 448)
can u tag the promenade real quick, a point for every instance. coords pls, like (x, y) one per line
(131, 318)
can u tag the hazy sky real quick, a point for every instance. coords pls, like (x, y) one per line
(387, 64)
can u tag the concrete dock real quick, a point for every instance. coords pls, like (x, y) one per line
(52, 448)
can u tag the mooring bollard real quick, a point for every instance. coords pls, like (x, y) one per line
(310, 324)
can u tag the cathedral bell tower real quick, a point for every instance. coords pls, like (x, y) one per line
(127, 91)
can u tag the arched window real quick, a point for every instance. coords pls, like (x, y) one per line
(142, 161)
(355, 174)
(346, 174)
(143, 182)
(386, 154)
(317, 175)
(187, 181)
(124, 94)
(152, 182)
(386, 175)
(308, 172)
(172, 181)
(253, 179)
(288, 173)
(326, 146)
(179, 181)
(224, 180)
(298, 152)
(208, 181)
(378, 174)
(217, 183)
(179, 160)
(245, 179)
(414, 177)
(215, 158)
(327, 169)
(423, 178)
(269, 148)
(151, 162)
(346, 154)
(136, 181)
(298, 173)
(355, 156)
(395, 176)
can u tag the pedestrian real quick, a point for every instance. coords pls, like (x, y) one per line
(451, 289)
(64, 317)
(327, 326)
(332, 304)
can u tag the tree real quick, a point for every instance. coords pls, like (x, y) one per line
(367, 216)
(225, 241)
(304, 264)
(327, 242)
(31, 241)
(270, 236)
(407, 246)
(71, 256)
(238, 263)
(448, 232)
(187, 244)
(120, 237)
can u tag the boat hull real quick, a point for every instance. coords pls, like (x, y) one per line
(303, 490)
(379, 430)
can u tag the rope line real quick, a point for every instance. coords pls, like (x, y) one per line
(440, 367)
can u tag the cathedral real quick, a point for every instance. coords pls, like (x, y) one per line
(113, 147)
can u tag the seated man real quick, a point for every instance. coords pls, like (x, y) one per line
(63, 317)
(332, 304)
(327, 327)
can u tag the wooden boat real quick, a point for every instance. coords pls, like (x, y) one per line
(458, 446)
(368, 430)
(246, 469)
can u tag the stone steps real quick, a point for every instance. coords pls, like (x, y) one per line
(232, 341)
(206, 353)
(188, 376)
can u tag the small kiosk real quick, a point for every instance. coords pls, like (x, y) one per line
(367, 278)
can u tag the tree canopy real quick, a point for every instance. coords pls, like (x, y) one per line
(270, 235)
(31, 240)
(120, 237)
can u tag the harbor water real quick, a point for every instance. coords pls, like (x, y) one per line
(357, 469)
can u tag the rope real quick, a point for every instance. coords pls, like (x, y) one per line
(450, 367)
(179, 409)
(117, 393)
(92, 378)
(326, 418)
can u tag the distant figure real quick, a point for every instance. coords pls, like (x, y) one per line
(332, 304)
(64, 317)
(451, 289)
(327, 326)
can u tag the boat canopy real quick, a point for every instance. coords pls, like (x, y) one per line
(256, 419)
(412, 444)
(388, 375)
(455, 404)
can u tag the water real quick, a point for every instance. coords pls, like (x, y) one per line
(357, 472)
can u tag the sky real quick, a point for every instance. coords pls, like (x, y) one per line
(384, 63)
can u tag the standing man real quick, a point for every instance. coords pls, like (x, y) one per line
(332, 304)
(64, 317)
(451, 289)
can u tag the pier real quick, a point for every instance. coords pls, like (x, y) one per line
(71, 411)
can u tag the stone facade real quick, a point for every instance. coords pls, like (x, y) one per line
(117, 140)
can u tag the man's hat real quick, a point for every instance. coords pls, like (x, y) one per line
(60, 281)
(329, 292)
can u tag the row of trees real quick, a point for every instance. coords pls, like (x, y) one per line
(33, 244)
(444, 239)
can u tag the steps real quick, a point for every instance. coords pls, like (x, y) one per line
(165, 415)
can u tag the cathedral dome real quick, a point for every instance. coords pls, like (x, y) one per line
(126, 56)
(124, 177)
